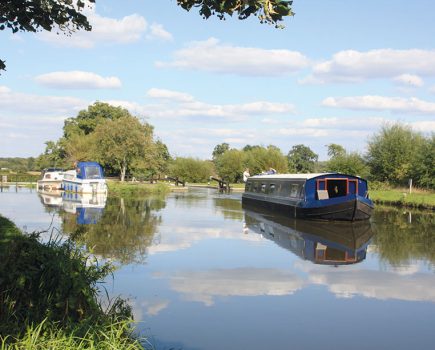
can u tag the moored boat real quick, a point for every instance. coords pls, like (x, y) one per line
(324, 196)
(51, 179)
(88, 177)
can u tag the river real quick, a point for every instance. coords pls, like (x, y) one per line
(201, 272)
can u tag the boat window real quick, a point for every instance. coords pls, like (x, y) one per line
(336, 187)
(92, 172)
(48, 176)
(263, 188)
(294, 190)
(271, 188)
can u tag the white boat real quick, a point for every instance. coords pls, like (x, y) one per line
(51, 179)
(88, 177)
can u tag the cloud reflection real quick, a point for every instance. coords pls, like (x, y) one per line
(204, 286)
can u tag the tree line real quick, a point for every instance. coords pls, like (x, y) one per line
(126, 146)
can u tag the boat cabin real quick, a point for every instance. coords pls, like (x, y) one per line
(307, 186)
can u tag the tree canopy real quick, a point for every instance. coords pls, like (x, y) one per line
(302, 159)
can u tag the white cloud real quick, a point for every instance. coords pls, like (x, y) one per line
(158, 32)
(212, 56)
(355, 66)
(409, 80)
(164, 94)
(78, 80)
(128, 29)
(411, 105)
(204, 286)
(13, 103)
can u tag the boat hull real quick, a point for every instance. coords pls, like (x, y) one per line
(352, 209)
(48, 185)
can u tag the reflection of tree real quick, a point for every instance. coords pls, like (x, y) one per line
(229, 207)
(399, 240)
(124, 232)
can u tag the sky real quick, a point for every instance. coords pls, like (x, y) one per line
(336, 73)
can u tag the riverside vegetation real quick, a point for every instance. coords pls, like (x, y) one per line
(50, 297)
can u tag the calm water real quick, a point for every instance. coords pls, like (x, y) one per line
(201, 272)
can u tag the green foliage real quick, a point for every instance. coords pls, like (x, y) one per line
(267, 11)
(219, 150)
(122, 143)
(260, 159)
(112, 136)
(392, 152)
(348, 163)
(230, 165)
(191, 169)
(87, 120)
(301, 159)
(136, 189)
(33, 16)
(126, 228)
(54, 285)
(45, 335)
(335, 150)
(400, 242)
(423, 166)
(18, 164)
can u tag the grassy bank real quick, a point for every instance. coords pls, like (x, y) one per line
(401, 197)
(117, 188)
(50, 297)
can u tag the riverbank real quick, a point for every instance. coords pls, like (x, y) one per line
(50, 299)
(117, 188)
(399, 197)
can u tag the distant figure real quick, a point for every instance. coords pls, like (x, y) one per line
(246, 174)
(271, 171)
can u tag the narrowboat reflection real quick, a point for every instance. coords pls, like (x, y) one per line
(328, 243)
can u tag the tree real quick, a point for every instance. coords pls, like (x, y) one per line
(37, 15)
(392, 151)
(335, 150)
(88, 119)
(348, 163)
(301, 159)
(123, 143)
(259, 159)
(423, 166)
(67, 16)
(220, 149)
(191, 169)
(230, 165)
(267, 11)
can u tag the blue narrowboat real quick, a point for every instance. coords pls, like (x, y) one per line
(324, 196)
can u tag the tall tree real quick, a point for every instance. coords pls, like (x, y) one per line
(220, 149)
(123, 142)
(301, 159)
(392, 151)
(335, 150)
(423, 166)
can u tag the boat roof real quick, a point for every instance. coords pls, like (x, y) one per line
(293, 176)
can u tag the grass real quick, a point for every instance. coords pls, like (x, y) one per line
(400, 197)
(132, 189)
(50, 297)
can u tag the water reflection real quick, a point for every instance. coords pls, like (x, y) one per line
(327, 243)
(400, 241)
(124, 230)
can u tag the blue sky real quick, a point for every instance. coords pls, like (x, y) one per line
(336, 73)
